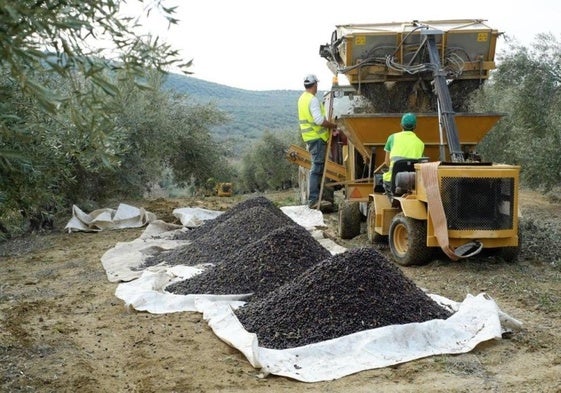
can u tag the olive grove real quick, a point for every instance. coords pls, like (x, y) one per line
(83, 115)
(526, 87)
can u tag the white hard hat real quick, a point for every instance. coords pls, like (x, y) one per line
(311, 79)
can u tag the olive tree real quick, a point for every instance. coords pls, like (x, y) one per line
(57, 82)
(166, 130)
(526, 86)
(265, 167)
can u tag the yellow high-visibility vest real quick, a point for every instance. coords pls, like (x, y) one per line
(405, 145)
(308, 128)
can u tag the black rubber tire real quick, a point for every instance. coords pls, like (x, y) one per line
(373, 237)
(510, 254)
(407, 241)
(349, 220)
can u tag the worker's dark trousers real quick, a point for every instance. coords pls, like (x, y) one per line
(317, 149)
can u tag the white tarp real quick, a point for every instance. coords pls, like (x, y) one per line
(147, 294)
(191, 217)
(125, 216)
(476, 319)
(304, 216)
(122, 262)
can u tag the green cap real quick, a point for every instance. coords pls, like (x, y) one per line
(408, 121)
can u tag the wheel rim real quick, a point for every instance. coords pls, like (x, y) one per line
(400, 239)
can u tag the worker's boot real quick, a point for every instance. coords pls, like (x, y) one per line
(328, 200)
(327, 207)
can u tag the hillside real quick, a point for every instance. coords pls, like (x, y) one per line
(251, 112)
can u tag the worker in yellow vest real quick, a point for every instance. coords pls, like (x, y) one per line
(400, 145)
(315, 129)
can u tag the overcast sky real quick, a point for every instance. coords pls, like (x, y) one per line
(266, 45)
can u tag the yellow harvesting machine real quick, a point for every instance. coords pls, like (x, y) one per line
(451, 199)
(224, 189)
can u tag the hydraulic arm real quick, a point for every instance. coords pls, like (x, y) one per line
(443, 97)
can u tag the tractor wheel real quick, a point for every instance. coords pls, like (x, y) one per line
(373, 237)
(349, 220)
(407, 240)
(510, 254)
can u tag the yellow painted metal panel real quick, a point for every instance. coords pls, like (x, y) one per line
(414, 208)
(384, 213)
(474, 41)
(387, 217)
(374, 129)
(358, 192)
(488, 242)
(365, 131)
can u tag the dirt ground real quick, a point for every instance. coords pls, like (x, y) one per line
(63, 330)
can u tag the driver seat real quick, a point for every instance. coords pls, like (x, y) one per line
(403, 176)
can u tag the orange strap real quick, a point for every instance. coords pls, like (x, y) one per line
(429, 174)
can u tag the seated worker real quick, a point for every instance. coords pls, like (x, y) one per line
(400, 145)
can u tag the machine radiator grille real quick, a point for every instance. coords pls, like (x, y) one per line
(478, 203)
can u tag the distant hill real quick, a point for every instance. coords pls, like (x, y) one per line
(251, 112)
